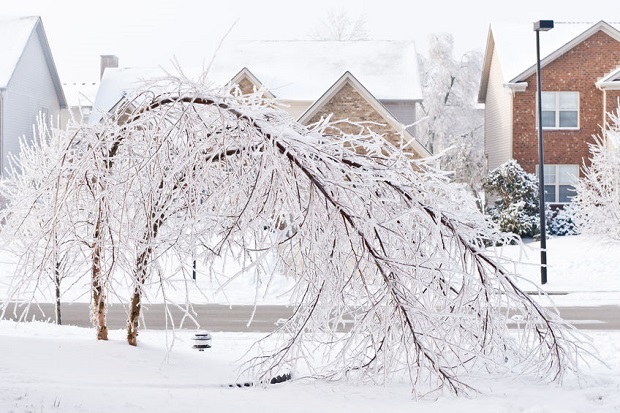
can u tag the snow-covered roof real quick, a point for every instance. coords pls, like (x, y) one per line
(14, 34)
(81, 93)
(290, 70)
(305, 69)
(515, 45)
(116, 84)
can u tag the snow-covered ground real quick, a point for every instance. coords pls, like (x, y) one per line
(48, 368)
(582, 270)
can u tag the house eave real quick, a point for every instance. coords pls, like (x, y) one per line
(610, 85)
(516, 86)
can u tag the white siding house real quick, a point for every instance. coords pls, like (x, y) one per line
(498, 115)
(29, 82)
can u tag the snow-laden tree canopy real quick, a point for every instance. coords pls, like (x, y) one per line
(598, 192)
(393, 277)
(451, 120)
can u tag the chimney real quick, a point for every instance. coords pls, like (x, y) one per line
(107, 60)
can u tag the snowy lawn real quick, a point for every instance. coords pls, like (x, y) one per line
(582, 270)
(48, 368)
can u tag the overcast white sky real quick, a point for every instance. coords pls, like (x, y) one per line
(152, 32)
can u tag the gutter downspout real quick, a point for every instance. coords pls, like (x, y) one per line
(604, 112)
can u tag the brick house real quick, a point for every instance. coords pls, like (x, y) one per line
(360, 81)
(580, 72)
(29, 82)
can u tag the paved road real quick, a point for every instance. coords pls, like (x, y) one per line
(211, 317)
(235, 318)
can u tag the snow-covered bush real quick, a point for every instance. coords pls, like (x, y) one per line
(516, 208)
(562, 221)
(598, 192)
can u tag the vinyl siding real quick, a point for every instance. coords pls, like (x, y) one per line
(295, 108)
(403, 111)
(497, 118)
(29, 91)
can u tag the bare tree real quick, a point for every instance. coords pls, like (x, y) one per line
(379, 243)
(340, 25)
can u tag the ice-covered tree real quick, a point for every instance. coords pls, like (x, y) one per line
(451, 121)
(598, 192)
(516, 208)
(340, 25)
(36, 228)
(378, 243)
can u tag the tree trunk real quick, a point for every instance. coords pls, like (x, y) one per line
(136, 301)
(142, 264)
(57, 284)
(99, 299)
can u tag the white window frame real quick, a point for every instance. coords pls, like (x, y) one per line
(571, 179)
(557, 110)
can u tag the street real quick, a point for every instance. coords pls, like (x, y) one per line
(235, 318)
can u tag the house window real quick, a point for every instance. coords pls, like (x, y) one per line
(560, 182)
(560, 110)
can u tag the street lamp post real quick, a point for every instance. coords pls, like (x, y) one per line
(541, 26)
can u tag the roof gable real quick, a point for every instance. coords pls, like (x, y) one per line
(246, 75)
(515, 47)
(15, 34)
(348, 79)
(600, 26)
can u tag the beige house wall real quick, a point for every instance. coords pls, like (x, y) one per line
(349, 104)
(498, 118)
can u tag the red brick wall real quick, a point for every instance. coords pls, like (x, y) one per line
(575, 71)
(613, 101)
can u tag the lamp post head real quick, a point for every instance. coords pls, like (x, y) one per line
(543, 25)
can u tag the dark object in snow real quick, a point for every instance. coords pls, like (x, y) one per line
(202, 340)
(274, 380)
(280, 379)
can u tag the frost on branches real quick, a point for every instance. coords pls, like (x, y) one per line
(516, 208)
(35, 226)
(393, 278)
(598, 192)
